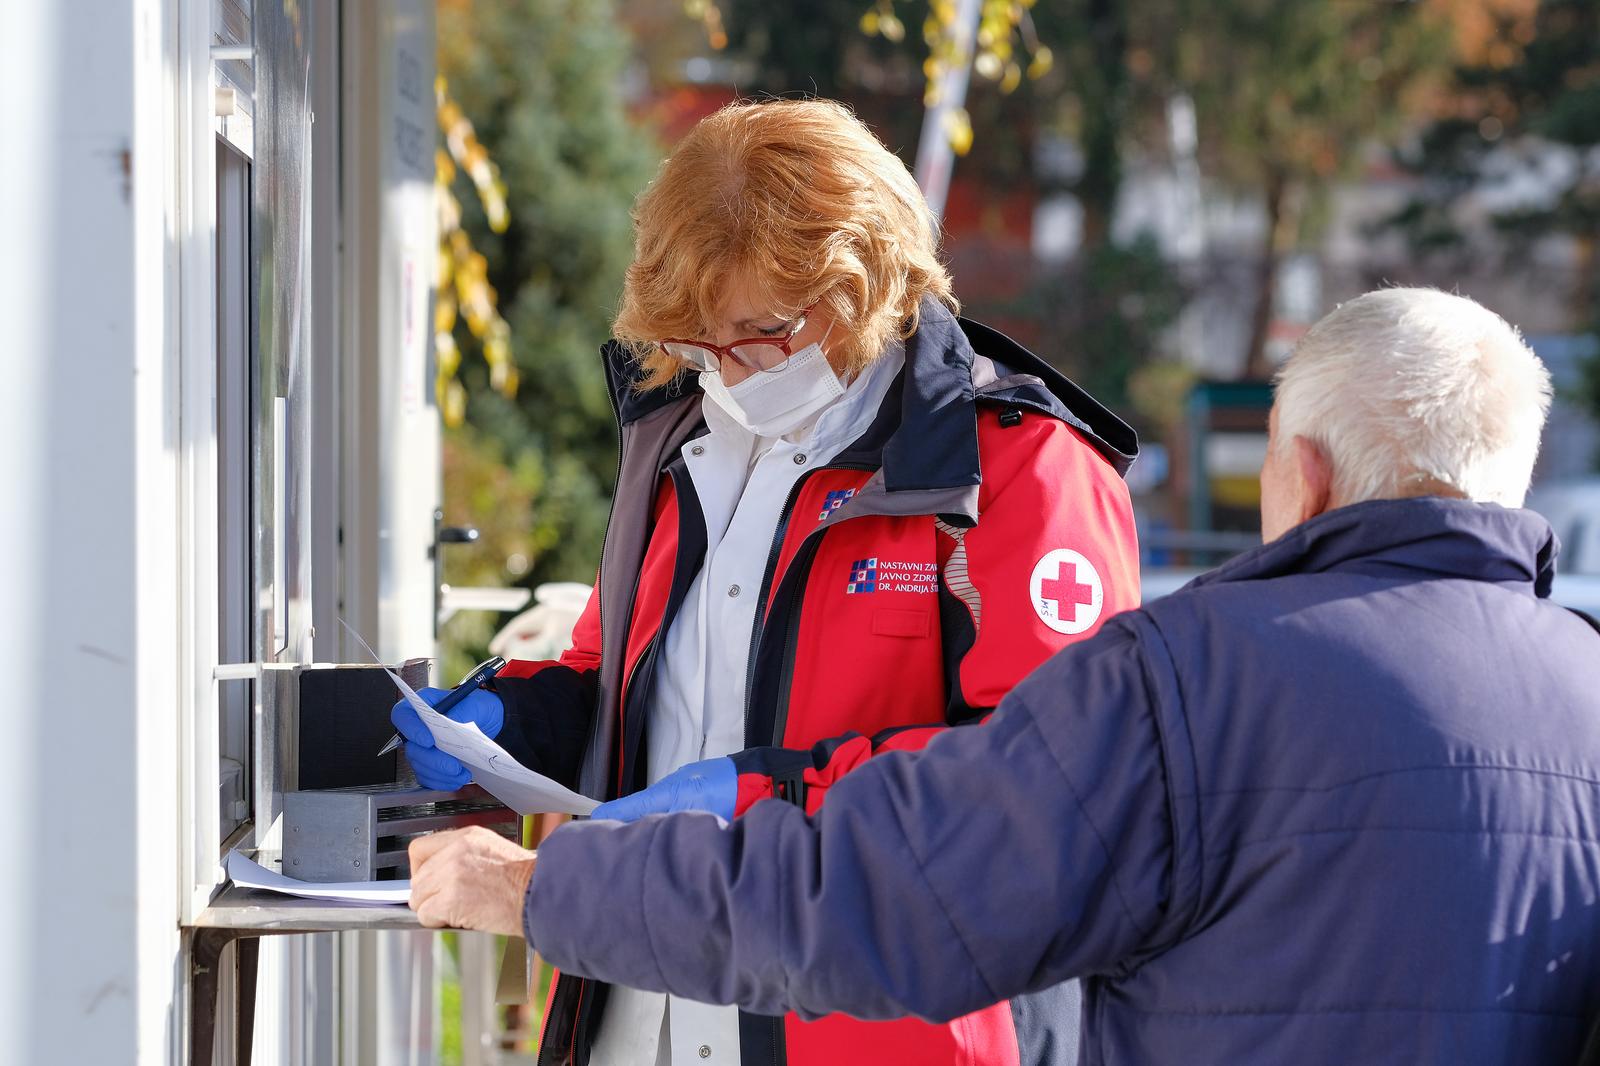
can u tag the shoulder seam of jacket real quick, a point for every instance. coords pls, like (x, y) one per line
(1152, 691)
(1077, 798)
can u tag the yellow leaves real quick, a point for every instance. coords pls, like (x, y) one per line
(476, 297)
(994, 54)
(1011, 79)
(881, 21)
(709, 15)
(494, 205)
(1043, 59)
(464, 150)
(444, 310)
(452, 400)
(448, 208)
(497, 353)
(464, 289)
(447, 353)
(958, 130)
(447, 271)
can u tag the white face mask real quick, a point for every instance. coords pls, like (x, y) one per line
(777, 402)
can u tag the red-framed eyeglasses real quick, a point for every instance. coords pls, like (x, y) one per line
(764, 355)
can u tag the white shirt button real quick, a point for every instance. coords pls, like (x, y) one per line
(705, 1051)
(800, 459)
(698, 449)
(733, 590)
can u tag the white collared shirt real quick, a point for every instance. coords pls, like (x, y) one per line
(742, 482)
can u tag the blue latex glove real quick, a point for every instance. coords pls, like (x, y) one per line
(712, 786)
(436, 769)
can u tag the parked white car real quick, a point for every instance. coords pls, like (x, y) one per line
(1573, 508)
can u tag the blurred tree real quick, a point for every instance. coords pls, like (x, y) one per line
(1110, 307)
(1094, 98)
(1289, 96)
(794, 48)
(1524, 108)
(542, 81)
(854, 49)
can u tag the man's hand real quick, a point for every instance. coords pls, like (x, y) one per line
(469, 879)
(712, 785)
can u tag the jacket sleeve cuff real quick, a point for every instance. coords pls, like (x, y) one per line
(559, 920)
(771, 773)
(548, 714)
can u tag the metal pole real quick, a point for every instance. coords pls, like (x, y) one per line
(934, 154)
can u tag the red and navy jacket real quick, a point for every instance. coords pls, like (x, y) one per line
(979, 525)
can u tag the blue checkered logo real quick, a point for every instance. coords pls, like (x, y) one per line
(833, 502)
(863, 576)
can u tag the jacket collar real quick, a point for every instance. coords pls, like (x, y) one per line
(926, 434)
(1430, 536)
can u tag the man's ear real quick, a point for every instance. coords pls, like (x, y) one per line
(1315, 470)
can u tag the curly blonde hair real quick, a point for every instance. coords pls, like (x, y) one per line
(801, 200)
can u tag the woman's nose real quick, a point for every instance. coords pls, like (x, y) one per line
(734, 371)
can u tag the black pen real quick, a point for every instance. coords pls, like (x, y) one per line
(469, 684)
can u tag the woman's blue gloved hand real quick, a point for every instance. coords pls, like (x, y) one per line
(436, 769)
(712, 786)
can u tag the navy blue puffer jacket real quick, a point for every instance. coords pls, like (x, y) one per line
(1336, 802)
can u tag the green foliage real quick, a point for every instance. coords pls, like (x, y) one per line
(1106, 312)
(540, 80)
(1288, 98)
(1296, 89)
(1514, 113)
(450, 1003)
(1096, 96)
(1550, 95)
(801, 48)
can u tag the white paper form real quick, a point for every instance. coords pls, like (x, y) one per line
(502, 776)
(247, 873)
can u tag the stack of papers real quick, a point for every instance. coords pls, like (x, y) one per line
(247, 873)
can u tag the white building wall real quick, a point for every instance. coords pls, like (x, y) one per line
(105, 433)
(87, 561)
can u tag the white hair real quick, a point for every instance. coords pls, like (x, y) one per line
(1406, 387)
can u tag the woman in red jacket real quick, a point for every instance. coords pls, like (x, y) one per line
(844, 518)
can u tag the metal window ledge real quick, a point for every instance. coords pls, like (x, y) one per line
(245, 915)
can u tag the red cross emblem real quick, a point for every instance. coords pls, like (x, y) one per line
(1066, 591)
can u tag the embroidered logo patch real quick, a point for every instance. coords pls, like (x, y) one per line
(1066, 592)
(833, 502)
(863, 577)
(891, 575)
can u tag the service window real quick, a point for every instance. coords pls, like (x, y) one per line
(236, 523)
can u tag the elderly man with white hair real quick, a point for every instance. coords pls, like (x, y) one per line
(1337, 801)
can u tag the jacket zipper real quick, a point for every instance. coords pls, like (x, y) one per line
(758, 624)
(801, 567)
(758, 627)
